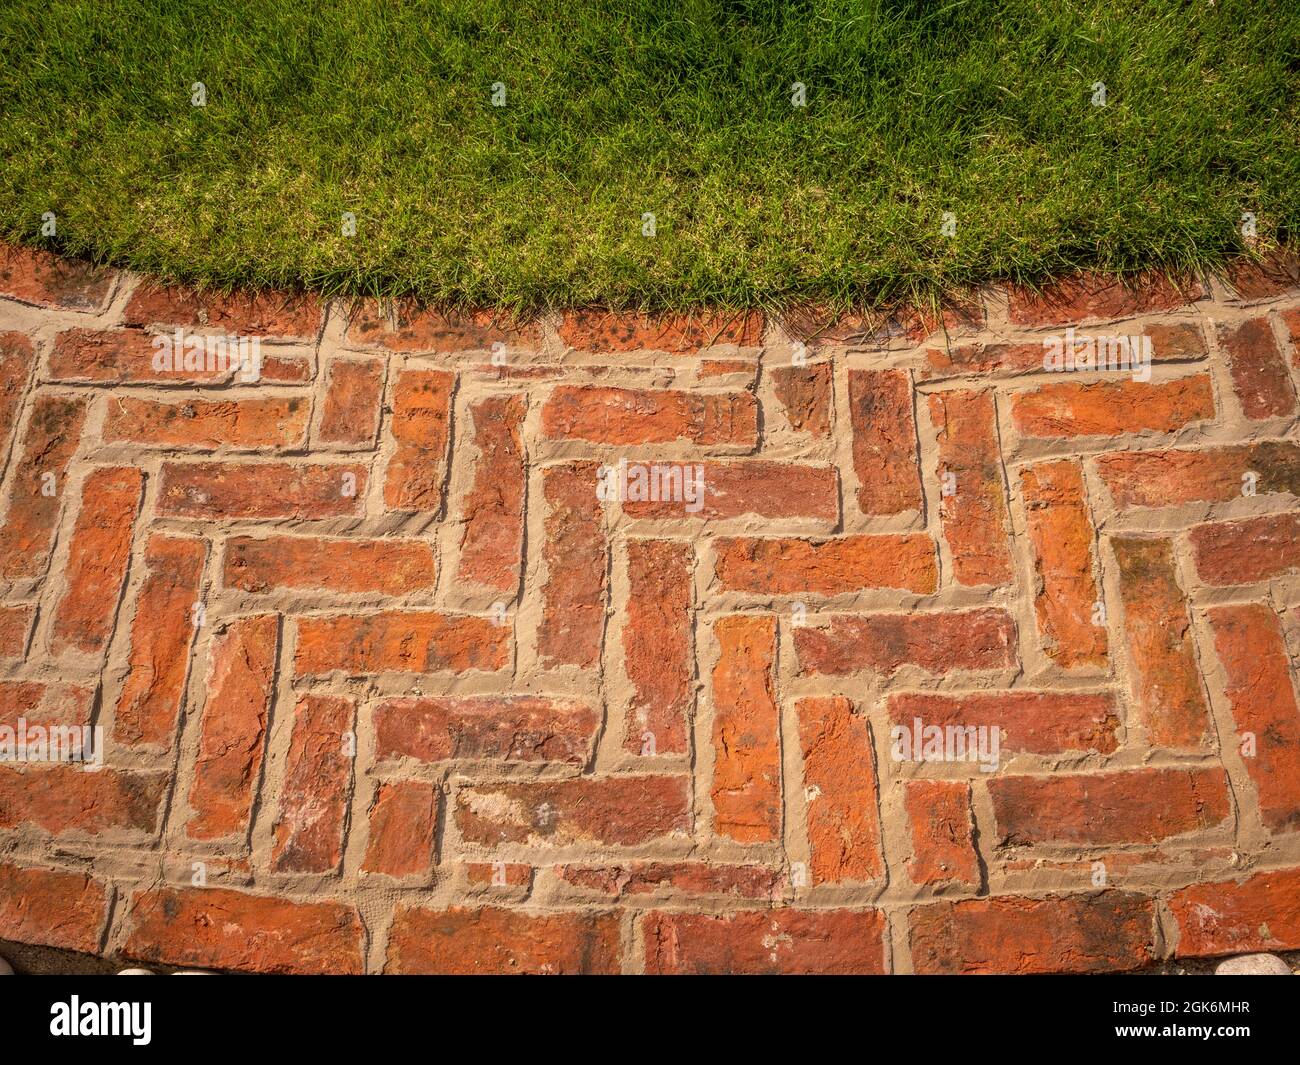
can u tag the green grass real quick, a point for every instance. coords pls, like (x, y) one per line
(682, 108)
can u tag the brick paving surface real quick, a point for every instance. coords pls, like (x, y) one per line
(911, 656)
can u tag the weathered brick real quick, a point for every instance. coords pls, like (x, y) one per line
(1209, 475)
(207, 424)
(421, 425)
(650, 416)
(38, 486)
(507, 875)
(124, 356)
(215, 928)
(400, 641)
(1248, 640)
(403, 823)
(216, 490)
(46, 703)
(942, 833)
(1033, 722)
(1132, 806)
(806, 392)
(790, 566)
(1098, 296)
(1166, 683)
(1273, 274)
(51, 908)
(1061, 531)
(885, 456)
(753, 487)
(1111, 408)
(161, 634)
(238, 687)
(785, 941)
(607, 332)
(576, 553)
(670, 879)
(16, 358)
(1259, 374)
(35, 276)
(353, 395)
(343, 566)
(400, 325)
(658, 646)
(252, 313)
(973, 505)
(1102, 932)
(514, 728)
(1249, 550)
(492, 533)
(97, 560)
(61, 798)
(746, 731)
(491, 940)
(15, 628)
(615, 810)
(840, 788)
(1259, 913)
(314, 796)
(883, 643)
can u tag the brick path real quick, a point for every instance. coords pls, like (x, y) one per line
(385, 685)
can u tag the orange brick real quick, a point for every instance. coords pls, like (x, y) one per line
(658, 646)
(492, 535)
(826, 567)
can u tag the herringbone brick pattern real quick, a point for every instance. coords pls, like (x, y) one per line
(616, 643)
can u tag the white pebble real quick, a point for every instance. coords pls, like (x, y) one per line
(1253, 965)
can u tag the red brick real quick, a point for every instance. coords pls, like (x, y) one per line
(1248, 640)
(1249, 550)
(492, 534)
(883, 643)
(403, 823)
(658, 651)
(16, 358)
(1259, 374)
(1033, 722)
(121, 356)
(840, 788)
(746, 731)
(402, 326)
(1132, 806)
(1102, 932)
(207, 424)
(975, 515)
(670, 879)
(1274, 274)
(48, 908)
(1060, 528)
(35, 276)
(505, 875)
(97, 560)
(884, 442)
(214, 928)
(494, 941)
(650, 416)
(1170, 342)
(1291, 319)
(314, 795)
(942, 833)
(421, 425)
(1259, 913)
(1111, 408)
(47, 703)
(1210, 475)
(512, 728)
(577, 559)
(1091, 295)
(753, 942)
(161, 634)
(792, 566)
(755, 487)
(247, 313)
(61, 798)
(239, 690)
(617, 810)
(616, 331)
(806, 394)
(400, 641)
(266, 490)
(342, 566)
(15, 628)
(1166, 683)
(52, 435)
(353, 394)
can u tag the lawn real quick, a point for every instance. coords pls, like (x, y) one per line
(985, 114)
